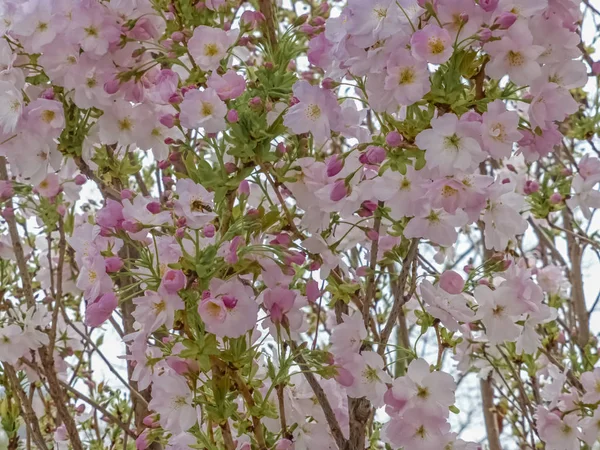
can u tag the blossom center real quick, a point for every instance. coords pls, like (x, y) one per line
(433, 217)
(449, 191)
(211, 49)
(380, 12)
(405, 184)
(199, 206)
(91, 83)
(313, 112)
(515, 58)
(125, 124)
(422, 392)
(42, 26)
(452, 141)
(370, 374)
(160, 307)
(207, 109)
(498, 132)
(436, 46)
(407, 76)
(91, 31)
(48, 115)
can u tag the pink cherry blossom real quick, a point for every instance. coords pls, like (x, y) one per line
(203, 109)
(432, 44)
(208, 46)
(98, 311)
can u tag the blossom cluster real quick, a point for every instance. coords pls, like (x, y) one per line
(263, 230)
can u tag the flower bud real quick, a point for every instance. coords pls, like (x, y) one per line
(173, 281)
(126, 194)
(177, 36)
(596, 68)
(488, 5)
(375, 155)
(344, 377)
(338, 191)
(180, 233)
(394, 139)
(113, 264)
(505, 20)
(112, 86)
(232, 116)
(80, 180)
(485, 35)
(153, 207)
(8, 213)
(451, 282)
(244, 188)
(556, 198)
(312, 290)
(132, 227)
(531, 186)
(335, 164)
(209, 230)
(168, 120)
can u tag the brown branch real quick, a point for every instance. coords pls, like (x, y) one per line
(227, 438)
(371, 285)
(489, 413)
(256, 425)
(100, 408)
(31, 420)
(399, 298)
(266, 8)
(576, 278)
(334, 426)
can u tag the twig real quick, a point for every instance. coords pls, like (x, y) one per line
(371, 285)
(489, 413)
(100, 408)
(399, 299)
(31, 420)
(334, 426)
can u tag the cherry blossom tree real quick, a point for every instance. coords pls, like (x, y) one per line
(253, 224)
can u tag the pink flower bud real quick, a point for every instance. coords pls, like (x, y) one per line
(394, 139)
(488, 5)
(362, 271)
(468, 268)
(112, 86)
(209, 230)
(451, 282)
(556, 198)
(230, 167)
(284, 444)
(375, 155)
(168, 120)
(369, 205)
(175, 99)
(141, 443)
(150, 421)
(312, 290)
(113, 264)
(61, 209)
(8, 213)
(338, 191)
(244, 188)
(344, 377)
(255, 102)
(506, 20)
(328, 83)
(48, 94)
(335, 164)
(281, 148)
(100, 309)
(80, 409)
(464, 17)
(153, 207)
(173, 281)
(177, 36)
(6, 189)
(126, 194)
(372, 235)
(180, 233)
(485, 35)
(232, 116)
(165, 164)
(80, 180)
(596, 68)
(531, 186)
(132, 227)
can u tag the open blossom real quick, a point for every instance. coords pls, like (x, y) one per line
(172, 400)
(499, 130)
(498, 315)
(208, 46)
(436, 225)
(432, 44)
(98, 311)
(155, 309)
(584, 196)
(347, 336)
(449, 308)
(203, 109)
(11, 107)
(550, 103)
(448, 145)
(515, 55)
(195, 203)
(229, 86)
(316, 112)
(369, 377)
(228, 309)
(93, 279)
(407, 78)
(556, 432)
(501, 218)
